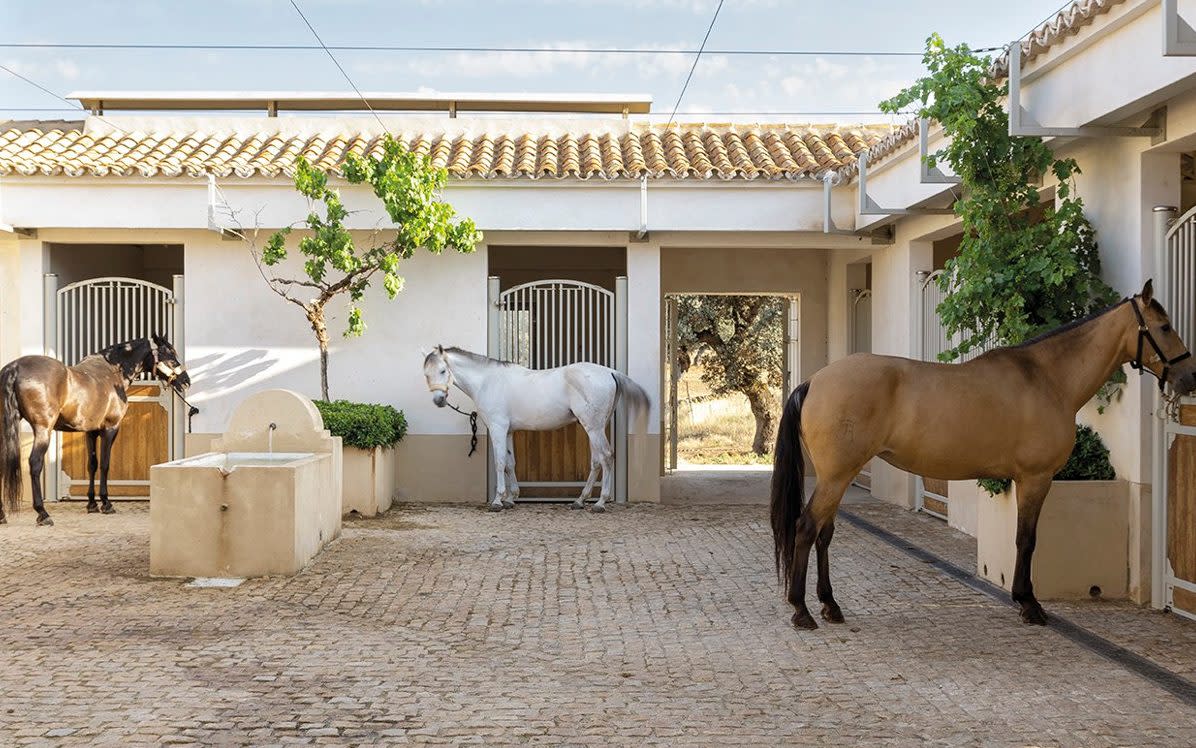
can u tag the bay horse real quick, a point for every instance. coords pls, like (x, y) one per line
(89, 397)
(1009, 413)
(512, 398)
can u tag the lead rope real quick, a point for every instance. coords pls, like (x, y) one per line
(473, 427)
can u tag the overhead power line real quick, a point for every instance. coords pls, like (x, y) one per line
(338, 67)
(74, 107)
(469, 49)
(697, 57)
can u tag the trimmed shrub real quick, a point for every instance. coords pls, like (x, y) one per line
(1089, 461)
(363, 425)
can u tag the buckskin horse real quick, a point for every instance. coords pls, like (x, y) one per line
(511, 397)
(89, 397)
(1009, 413)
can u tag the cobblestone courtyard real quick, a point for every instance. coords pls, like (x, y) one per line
(647, 625)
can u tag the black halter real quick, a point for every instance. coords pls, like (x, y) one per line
(1145, 335)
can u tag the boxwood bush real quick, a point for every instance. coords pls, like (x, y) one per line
(1089, 461)
(363, 425)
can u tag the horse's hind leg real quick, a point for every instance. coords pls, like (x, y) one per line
(816, 517)
(107, 437)
(830, 608)
(37, 460)
(601, 454)
(588, 489)
(93, 464)
(512, 481)
(1030, 494)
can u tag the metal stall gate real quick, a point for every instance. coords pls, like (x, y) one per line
(84, 318)
(860, 322)
(1174, 476)
(932, 493)
(550, 323)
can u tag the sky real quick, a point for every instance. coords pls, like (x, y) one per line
(810, 88)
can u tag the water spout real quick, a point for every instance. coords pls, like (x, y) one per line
(270, 438)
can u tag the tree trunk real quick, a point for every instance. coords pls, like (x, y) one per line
(762, 400)
(315, 315)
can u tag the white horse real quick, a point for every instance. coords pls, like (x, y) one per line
(511, 398)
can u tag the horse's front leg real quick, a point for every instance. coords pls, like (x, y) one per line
(1031, 492)
(107, 437)
(93, 464)
(512, 481)
(37, 460)
(498, 445)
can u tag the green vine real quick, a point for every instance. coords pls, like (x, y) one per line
(1023, 267)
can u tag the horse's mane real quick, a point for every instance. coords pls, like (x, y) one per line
(477, 357)
(1072, 325)
(127, 355)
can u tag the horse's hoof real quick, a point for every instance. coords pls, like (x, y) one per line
(598, 509)
(1034, 616)
(3, 520)
(508, 505)
(45, 521)
(803, 620)
(577, 505)
(496, 507)
(92, 508)
(831, 613)
(109, 509)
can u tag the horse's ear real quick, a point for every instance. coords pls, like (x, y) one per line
(1148, 291)
(440, 350)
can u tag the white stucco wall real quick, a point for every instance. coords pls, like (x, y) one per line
(242, 338)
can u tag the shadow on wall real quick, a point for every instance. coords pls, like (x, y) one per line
(218, 373)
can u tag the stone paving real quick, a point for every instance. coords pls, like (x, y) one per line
(649, 625)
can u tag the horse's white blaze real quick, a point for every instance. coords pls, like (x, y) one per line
(511, 398)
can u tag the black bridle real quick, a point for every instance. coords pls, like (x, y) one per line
(1144, 335)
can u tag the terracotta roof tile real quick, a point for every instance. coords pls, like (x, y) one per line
(606, 151)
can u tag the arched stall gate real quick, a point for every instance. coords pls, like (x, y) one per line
(550, 323)
(85, 317)
(1174, 427)
(932, 494)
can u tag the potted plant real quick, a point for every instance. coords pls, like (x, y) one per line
(369, 433)
(1083, 540)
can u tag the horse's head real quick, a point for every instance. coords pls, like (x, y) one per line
(438, 376)
(1159, 347)
(164, 362)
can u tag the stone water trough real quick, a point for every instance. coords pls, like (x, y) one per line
(265, 500)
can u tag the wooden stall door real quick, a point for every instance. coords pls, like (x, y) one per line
(1181, 511)
(556, 456)
(934, 497)
(142, 442)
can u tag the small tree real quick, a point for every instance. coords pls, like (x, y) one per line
(1016, 275)
(742, 344)
(409, 189)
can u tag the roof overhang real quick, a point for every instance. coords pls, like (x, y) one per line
(333, 101)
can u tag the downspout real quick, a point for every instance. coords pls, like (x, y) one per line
(643, 208)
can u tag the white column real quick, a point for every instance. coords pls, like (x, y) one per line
(1162, 216)
(50, 337)
(644, 365)
(493, 349)
(178, 337)
(621, 352)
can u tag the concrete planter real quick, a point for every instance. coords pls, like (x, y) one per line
(1083, 540)
(369, 480)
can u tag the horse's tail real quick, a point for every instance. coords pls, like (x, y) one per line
(635, 397)
(788, 483)
(10, 439)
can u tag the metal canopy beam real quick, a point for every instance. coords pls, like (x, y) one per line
(868, 206)
(1179, 39)
(1022, 124)
(926, 173)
